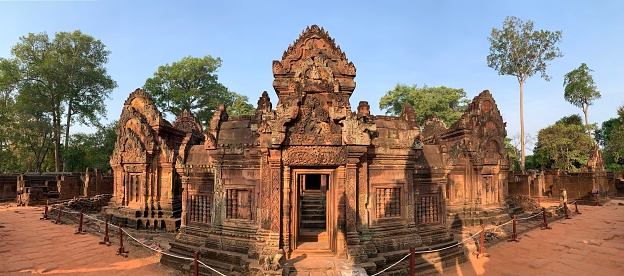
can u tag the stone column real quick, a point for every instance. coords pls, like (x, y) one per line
(287, 207)
(275, 164)
(409, 181)
(185, 200)
(353, 158)
(265, 191)
(218, 215)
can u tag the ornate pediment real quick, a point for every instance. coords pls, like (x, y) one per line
(188, 123)
(129, 149)
(143, 103)
(133, 119)
(313, 81)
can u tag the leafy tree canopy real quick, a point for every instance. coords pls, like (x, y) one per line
(446, 103)
(564, 145)
(92, 150)
(580, 89)
(520, 51)
(513, 153)
(611, 137)
(573, 119)
(192, 84)
(517, 50)
(64, 78)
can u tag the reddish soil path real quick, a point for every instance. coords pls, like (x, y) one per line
(591, 243)
(29, 246)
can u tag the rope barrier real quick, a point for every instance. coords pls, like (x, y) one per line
(385, 269)
(138, 241)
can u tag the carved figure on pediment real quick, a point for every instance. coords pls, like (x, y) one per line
(132, 119)
(188, 123)
(129, 149)
(356, 131)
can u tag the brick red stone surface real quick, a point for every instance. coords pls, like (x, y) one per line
(31, 246)
(591, 243)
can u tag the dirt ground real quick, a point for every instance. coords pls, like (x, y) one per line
(30, 246)
(591, 243)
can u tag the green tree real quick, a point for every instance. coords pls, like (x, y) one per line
(92, 150)
(513, 153)
(65, 78)
(564, 145)
(190, 84)
(446, 103)
(580, 89)
(517, 50)
(240, 106)
(611, 137)
(8, 73)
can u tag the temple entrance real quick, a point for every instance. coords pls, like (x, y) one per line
(313, 226)
(313, 209)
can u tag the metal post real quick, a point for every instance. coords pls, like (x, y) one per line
(196, 264)
(576, 208)
(122, 251)
(45, 211)
(545, 225)
(481, 251)
(58, 218)
(412, 268)
(565, 211)
(514, 235)
(79, 231)
(106, 238)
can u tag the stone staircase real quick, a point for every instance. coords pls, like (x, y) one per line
(312, 225)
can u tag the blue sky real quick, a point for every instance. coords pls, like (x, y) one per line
(411, 42)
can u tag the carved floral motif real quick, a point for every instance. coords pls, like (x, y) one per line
(314, 156)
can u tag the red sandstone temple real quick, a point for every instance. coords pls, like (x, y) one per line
(310, 177)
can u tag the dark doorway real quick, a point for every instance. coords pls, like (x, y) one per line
(313, 210)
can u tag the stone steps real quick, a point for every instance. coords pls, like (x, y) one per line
(313, 216)
(309, 235)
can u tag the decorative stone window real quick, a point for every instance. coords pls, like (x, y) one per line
(388, 202)
(199, 209)
(427, 210)
(238, 204)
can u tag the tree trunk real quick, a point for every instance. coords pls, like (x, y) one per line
(585, 111)
(57, 142)
(521, 127)
(56, 129)
(68, 122)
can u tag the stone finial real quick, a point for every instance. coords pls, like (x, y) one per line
(408, 114)
(220, 115)
(264, 104)
(363, 109)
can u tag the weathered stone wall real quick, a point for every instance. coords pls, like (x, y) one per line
(37, 188)
(550, 183)
(96, 183)
(8, 187)
(70, 186)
